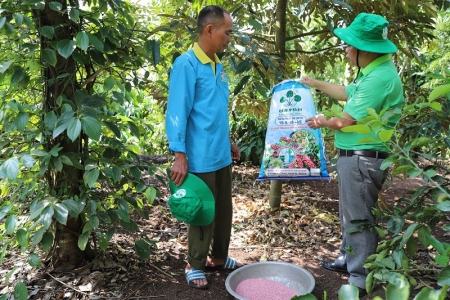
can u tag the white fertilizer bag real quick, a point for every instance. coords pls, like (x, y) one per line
(293, 151)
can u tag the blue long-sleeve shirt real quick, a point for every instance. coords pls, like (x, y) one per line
(197, 111)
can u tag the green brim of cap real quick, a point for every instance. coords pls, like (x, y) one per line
(384, 46)
(199, 187)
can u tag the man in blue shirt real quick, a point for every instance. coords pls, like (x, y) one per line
(197, 127)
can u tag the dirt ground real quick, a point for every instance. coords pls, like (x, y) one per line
(303, 230)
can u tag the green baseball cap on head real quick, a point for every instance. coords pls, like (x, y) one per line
(368, 32)
(192, 202)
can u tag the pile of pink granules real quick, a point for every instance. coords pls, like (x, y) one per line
(263, 289)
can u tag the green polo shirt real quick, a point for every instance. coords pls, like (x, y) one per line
(378, 87)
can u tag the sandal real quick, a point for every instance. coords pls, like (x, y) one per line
(194, 274)
(230, 264)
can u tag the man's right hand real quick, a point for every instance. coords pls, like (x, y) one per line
(308, 81)
(179, 169)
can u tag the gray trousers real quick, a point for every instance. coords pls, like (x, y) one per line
(213, 239)
(360, 181)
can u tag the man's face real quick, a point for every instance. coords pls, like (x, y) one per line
(222, 34)
(351, 55)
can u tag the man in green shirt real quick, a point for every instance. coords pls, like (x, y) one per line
(377, 86)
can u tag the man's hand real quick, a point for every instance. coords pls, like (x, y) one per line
(316, 122)
(179, 169)
(235, 152)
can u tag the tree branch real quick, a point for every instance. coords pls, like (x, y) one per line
(311, 52)
(93, 76)
(290, 38)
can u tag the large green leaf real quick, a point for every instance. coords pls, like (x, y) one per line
(427, 293)
(92, 127)
(49, 55)
(34, 261)
(136, 173)
(62, 123)
(61, 213)
(398, 289)
(241, 84)
(444, 277)
(395, 224)
(2, 21)
(22, 237)
(436, 244)
(47, 241)
(5, 65)
(439, 91)
(36, 209)
(134, 129)
(420, 141)
(153, 50)
(244, 66)
(4, 296)
(116, 173)
(385, 135)
(10, 168)
(18, 77)
(4, 210)
(74, 14)
(150, 194)
(20, 291)
(131, 225)
(82, 40)
(143, 249)
(102, 240)
(74, 207)
(443, 206)
(21, 120)
(18, 19)
(113, 127)
(47, 31)
(10, 224)
(55, 5)
(422, 235)
(9, 29)
(90, 177)
(37, 236)
(47, 216)
(74, 129)
(123, 215)
(65, 47)
(348, 291)
(436, 106)
(359, 128)
(408, 233)
(97, 56)
(109, 83)
(83, 240)
(95, 42)
(94, 221)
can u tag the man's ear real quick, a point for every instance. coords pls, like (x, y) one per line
(208, 29)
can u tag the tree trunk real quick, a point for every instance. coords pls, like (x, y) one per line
(275, 194)
(65, 249)
(280, 39)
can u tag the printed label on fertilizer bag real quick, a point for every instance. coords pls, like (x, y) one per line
(292, 150)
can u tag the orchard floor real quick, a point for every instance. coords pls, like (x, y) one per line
(304, 230)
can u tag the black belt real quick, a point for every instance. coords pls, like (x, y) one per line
(367, 153)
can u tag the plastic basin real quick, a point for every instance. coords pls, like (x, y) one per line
(293, 276)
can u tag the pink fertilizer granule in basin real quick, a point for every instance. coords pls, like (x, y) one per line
(264, 289)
